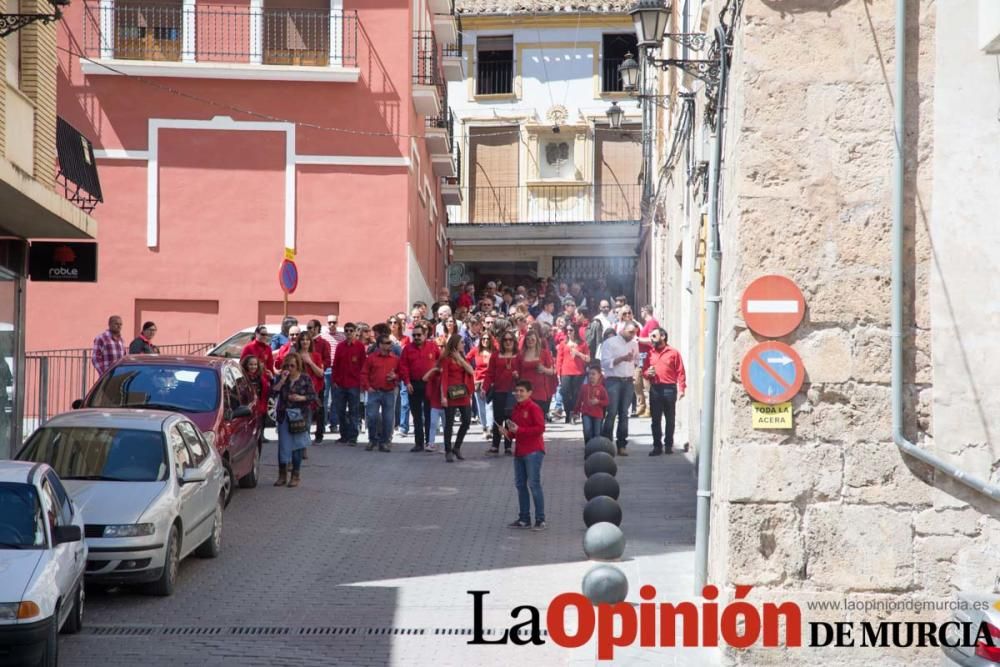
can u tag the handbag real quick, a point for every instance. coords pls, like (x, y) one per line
(296, 420)
(456, 391)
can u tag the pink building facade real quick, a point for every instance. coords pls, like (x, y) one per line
(228, 132)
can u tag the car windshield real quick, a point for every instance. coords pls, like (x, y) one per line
(106, 454)
(179, 388)
(233, 347)
(21, 525)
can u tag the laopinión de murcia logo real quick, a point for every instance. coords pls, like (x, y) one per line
(739, 624)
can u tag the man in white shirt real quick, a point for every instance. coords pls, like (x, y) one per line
(619, 355)
(607, 322)
(546, 316)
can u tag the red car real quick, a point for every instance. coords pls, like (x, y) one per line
(210, 391)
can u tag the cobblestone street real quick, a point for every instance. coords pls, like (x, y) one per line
(369, 561)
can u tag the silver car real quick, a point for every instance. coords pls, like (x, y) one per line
(148, 485)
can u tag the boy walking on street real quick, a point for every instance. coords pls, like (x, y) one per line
(593, 399)
(526, 427)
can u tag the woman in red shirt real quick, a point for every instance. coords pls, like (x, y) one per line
(253, 370)
(456, 395)
(498, 386)
(572, 357)
(535, 365)
(479, 357)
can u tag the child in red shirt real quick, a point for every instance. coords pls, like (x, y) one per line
(592, 401)
(526, 426)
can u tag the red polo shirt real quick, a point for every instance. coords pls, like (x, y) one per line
(322, 346)
(668, 365)
(530, 427)
(592, 391)
(260, 350)
(347, 363)
(416, 360)
(375, 371)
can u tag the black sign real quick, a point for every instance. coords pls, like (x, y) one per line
(56, 261)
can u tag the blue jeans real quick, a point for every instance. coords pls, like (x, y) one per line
(331, 408)
(291, 446)
(485, 409)
(591, 427)
(557, 400)
(620, 396)
(347, 401)
(404, 409)
(528, 475)
(380, 425)
(437, 415)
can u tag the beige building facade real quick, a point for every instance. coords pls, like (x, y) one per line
(833, 509)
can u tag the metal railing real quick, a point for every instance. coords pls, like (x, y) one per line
(427, 65)
(53, 379)
(495, 77)
(611, 80)
(542, 204)
(204, 32)
(446, 121)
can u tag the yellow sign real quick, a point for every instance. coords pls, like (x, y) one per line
(290, 254)
(778, 415)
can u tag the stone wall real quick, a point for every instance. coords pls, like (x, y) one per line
(832, 509)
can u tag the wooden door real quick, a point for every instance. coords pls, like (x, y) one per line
(493, 174)
(618, 164)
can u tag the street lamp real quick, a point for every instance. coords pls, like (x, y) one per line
(629, 72)
(615, 114)
(650, 18)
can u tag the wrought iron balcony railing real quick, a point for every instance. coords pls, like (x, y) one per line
(427, 66)
(550, 204)
(205, 32)
(446, 121)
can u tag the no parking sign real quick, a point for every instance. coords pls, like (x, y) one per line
(772, 372)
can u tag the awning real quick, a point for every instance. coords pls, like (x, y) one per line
(77, 167)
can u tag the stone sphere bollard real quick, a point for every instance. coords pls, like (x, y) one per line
(600, 462)
(604, 541)
(601, 484)
(602, 509)
(605, 583)
(599, 444)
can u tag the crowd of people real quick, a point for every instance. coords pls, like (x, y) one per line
(509, 359)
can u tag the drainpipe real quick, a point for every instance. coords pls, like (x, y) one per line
(712, 300)
(907, 447)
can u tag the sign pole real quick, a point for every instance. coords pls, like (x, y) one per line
(284, 315)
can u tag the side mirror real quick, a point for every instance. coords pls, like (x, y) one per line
(242, 411)
(191, 476)
(64, 534)
(77, 404)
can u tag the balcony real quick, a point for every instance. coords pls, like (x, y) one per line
(451, 187)
(543, 204)
(203, 40)
(439, 134)
(428, 81)
(451, 61)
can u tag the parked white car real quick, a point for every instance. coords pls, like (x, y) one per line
(42, 561)
(149, 485)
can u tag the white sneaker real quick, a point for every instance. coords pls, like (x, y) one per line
(431, 448)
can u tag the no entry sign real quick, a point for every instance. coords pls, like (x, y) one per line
(773, 306)
(772, 372)
(288, 276)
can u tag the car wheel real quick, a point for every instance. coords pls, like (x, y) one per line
(74, 622)
(212, 547)
(272, 412)
(165, 584)
(227, 481)
(249, 481)
(50, 658)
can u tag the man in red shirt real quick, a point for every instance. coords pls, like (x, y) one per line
(347, 363)
(321, 345)
(260, 347)
(649, 325)
(665, 371)
(418, 357)
(380, 377)
(527, 426)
